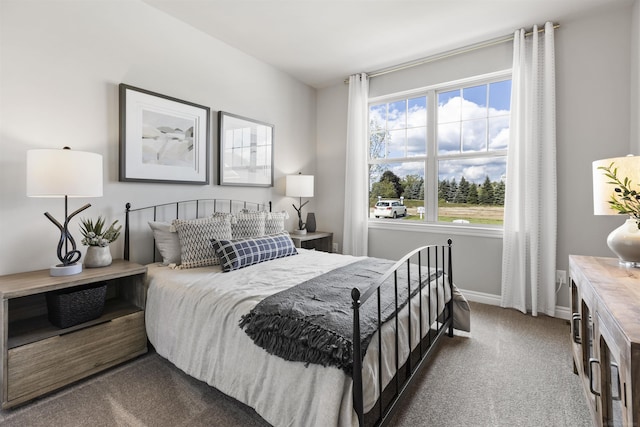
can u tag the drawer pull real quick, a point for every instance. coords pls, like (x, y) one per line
(576, 328)
(89, 325)
(617, 378)
(592, 362)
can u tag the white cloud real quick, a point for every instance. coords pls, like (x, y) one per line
(453, 134)
(474, 170)
(499, 133)
(474, 173)
(474, 132)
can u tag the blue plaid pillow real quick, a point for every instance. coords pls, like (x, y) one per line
(239, 253)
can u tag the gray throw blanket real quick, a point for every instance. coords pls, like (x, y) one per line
(313, 321)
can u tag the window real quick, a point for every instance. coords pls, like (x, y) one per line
(442, 152)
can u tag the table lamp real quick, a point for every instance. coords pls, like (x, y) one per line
(616, 191)
(64, 173)
(299, 186)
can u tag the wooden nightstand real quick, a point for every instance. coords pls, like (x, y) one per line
(37, 357)
(318, 240)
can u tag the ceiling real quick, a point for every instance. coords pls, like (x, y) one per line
(321, 42)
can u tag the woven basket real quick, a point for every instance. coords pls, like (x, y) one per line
(69, 307)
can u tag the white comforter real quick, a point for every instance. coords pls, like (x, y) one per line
(192, 320)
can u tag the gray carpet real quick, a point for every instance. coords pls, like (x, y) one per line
(512, 370)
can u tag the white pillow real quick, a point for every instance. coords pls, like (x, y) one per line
(195, 239)
(274, 222)
(248, 224)
(167, 242)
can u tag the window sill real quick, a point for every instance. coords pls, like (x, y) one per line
(439, 228)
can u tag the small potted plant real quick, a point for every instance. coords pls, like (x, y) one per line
(98, 237)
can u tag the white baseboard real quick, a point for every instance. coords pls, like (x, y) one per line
(491, 299)
(481, 297)
(563, 312)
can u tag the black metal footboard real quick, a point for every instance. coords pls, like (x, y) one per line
(432, 256)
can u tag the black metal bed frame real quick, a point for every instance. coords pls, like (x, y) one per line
(198, 202)
(436, 257)
(387, 404)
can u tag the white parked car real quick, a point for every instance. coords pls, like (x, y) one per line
(389, 209)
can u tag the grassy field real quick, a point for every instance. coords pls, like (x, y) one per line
(447, 212)
(478, 214)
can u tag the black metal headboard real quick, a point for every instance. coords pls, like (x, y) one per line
(187, 209)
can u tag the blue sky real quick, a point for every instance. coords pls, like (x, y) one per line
(469, 120)
(499, 94)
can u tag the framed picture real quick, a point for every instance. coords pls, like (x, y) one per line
(246, 151)
(162, 139)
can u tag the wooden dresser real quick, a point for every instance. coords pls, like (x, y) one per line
(605, 335)
(37, 357)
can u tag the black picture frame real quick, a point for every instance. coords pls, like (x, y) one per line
(163, 139)
(245, 153)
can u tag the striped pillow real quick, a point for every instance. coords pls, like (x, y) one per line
(195, 235)
(239, 253)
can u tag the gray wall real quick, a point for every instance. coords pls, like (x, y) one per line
(593, 72)
(61, 64)
(635, 79)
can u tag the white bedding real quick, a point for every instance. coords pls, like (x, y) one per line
(192, 320)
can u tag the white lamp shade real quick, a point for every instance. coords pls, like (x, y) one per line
(59, 173)
(299, 185)
(628, 167)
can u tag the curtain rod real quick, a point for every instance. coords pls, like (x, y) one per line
(450, 53)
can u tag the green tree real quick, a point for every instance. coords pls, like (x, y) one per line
(463, 191)
(412, 185)
(394, 180)
(486, 195)
(498, 193)
(384, 189)
(472, 195)
(453, 190)
(444, 189)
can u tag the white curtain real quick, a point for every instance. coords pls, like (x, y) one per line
(530, 222)
(356, 204)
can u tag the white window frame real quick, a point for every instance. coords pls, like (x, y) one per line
(431, 159)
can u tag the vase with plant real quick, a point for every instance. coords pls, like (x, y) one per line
(97, 237)
(623, 199)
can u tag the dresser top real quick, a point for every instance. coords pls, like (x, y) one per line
(617, 287)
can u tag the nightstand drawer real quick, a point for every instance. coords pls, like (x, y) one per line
(317, 240)
(42, 366)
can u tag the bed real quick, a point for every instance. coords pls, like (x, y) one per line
(193, 318)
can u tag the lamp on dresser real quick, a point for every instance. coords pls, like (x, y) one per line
(616, 191)
(64, 173)
(299, 186)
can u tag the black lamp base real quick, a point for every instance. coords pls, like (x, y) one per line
(69, 259)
